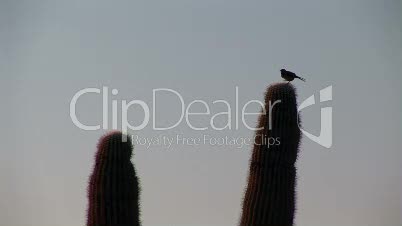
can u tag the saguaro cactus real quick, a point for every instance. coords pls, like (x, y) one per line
(270, 194)
(113, 191)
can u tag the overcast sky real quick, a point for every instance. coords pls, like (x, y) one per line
(51, 49)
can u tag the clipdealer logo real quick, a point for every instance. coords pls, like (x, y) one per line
(324, 138)
(186, 111)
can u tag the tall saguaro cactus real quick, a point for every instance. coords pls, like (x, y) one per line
(113, 191)
(270, 194)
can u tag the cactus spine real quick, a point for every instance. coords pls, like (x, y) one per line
(270, 193)
(113, 191)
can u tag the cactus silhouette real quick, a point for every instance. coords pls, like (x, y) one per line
(269, 198)
(113, 191)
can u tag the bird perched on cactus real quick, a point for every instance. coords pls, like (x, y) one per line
(113, 191)
(290, 76)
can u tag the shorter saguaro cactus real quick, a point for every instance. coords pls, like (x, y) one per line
(113, 191)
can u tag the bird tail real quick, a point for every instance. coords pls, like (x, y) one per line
(301, 78)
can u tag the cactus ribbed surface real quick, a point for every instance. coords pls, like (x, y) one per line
(270, 193)
(113, 191)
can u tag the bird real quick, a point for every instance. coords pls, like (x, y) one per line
(290, 76)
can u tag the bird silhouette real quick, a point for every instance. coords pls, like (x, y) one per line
(290, 76)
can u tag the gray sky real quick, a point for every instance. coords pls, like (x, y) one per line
(203, 49)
